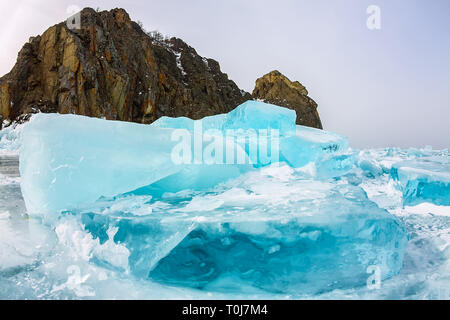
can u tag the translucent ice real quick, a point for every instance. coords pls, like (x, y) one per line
(309, 144)
(154, 244)
(249, 115)
(426, 179)
(218, 204)
(174, 123)
(67, 160)
(244, 234)
(255, 123)
(259, 115)
(212, 122)
(334, 165)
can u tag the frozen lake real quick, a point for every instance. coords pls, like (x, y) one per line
(38, 261)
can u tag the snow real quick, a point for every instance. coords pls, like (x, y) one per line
(205, 61)
(179, 64)
(429, 208)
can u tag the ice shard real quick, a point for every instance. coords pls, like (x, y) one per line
(310, 144)
(216, 204)
(425, 179)
(67, 160)
(326, 239)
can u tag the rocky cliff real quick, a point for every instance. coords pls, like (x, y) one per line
(111, 68)
(277, 89)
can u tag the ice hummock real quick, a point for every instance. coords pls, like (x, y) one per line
(249, 115)
(238, 234)
(282, 221)
(426, 179)
(68, 160)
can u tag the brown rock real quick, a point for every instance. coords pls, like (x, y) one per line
(5, 101)
(277, 89)
(111, 68)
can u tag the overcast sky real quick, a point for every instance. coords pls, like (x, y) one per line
(386, 87)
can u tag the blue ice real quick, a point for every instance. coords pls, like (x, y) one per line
(246, 218)
(425, 179)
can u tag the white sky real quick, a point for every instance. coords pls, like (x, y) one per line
(388, 87)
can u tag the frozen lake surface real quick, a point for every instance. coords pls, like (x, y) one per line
(41, 262)
(95, 215)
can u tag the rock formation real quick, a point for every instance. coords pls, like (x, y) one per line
(277, 89)
(112, 68)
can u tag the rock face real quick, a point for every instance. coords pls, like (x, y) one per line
(111, 68)
(277, 89)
